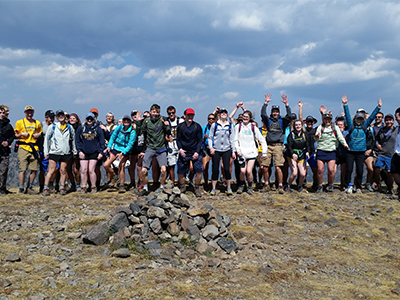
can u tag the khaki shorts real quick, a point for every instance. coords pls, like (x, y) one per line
(261, 162)
(275, 152)
(26, 159)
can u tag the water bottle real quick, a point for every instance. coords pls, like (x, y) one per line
(350, 188)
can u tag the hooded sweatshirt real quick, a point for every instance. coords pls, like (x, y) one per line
(154, 131)
(89, 140)
(59, 141)
(6, 134)
(276, 134)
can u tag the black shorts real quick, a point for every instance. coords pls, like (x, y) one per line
(395, 164)
(60, 158)
(91, 156)
(340, 160)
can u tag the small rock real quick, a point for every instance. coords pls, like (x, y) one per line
(389, 210)
(74, 235)
(188, 254)
(204, 248)
(176, 191)
(118, 239)
(152, 245)
(13, 257)
(396, 291)
(97, 235)
(107, 263)
(332, 221)
(121, 253)
(213, 262)
(5, 282)
(156, 226)
(193, 231)
(196, 211)
(119, 222)
(156, 212)
(173, 228)
(135, 209)
(105, 252)
(227, 244)
(210, 232)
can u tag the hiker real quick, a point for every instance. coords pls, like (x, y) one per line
(58, 143)
(27, 131)
(6, 138)
(395, 162)
(73, 165)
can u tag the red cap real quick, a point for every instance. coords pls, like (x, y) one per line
(94, 110)
(189, 111)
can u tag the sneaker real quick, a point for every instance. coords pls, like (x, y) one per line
(280, 190)
(62, 191)
(46, 192)
(249, 190)
(21, 191)
(182, 188)
(143, 192)
(191, 183)
(121, 190)
(71, 189)
(329, 189)
(83, 189)
(213, 192)
(320, 189)
(302, 190)
(368, 186)
(240, 189)
(287, 188)
(358, 191)
(93, 190)
(229, 192)
(197, 192)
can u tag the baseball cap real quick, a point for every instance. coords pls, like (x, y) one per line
(294, 116)
(133, 112)
(28, 107)
(95, 111)
(90, 114)
(275, 107)
(189, 111)
(126, 117)
(311, 119)
(359, 115)
(49, 113)
(389, 116)
(361, 110)
(223, 110)
(327, 115)
(60, 112)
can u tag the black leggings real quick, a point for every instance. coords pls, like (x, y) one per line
(358, 158)
(226, 157)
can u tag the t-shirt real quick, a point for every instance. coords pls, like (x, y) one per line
(174, 124)
(24, 125)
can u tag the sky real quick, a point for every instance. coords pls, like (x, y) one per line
(123, 55)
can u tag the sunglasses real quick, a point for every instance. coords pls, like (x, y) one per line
(211, 118)
(90, 119)
(171, 113)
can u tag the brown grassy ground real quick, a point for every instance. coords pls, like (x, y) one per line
(288, 252)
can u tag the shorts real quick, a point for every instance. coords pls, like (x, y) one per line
(205, 152)
(91, 156)
(27, 159)
(383, 162)
(326, 155)
(301, 161)
(312, 162)
(395, 164)
(60, 158)
(340, 160)
(261, 162)
(172, 157)
(136, 150)
(276, 153)
(44, 164)
(148, 158)
(115, 152)
(184, 164)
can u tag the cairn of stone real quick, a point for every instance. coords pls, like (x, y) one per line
(166, 215)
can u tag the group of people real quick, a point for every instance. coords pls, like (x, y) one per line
(74, 150)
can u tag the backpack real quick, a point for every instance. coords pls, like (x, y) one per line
(303, 135)
(229, 128)
(367, 132)
(84, 130)
(333, 130)
(252, 129)
(279, 121)
(54, 128)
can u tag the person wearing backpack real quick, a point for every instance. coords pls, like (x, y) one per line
(247, 137)
(395, 162)
(221, 140)
(6, 138)
(90, 143)
(298, 149)
(357, 141)
(59, 142)
(276, 126)
(328, 136)
(189, 138)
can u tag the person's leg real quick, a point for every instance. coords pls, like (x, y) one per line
(293, 170)
(227, 158)
(4, 162)
(359, 159)
(206, 160)
(302, 167)
(131, 170)
(147, 162)
(23, 166)
(249, 170)
(50, 171)
(215, 162)
(92, 173)
(343, 175)
(121, 170)
(155, 170)
(331, 171)
(84, 166)
(70, 174)
(321, 166)
(63, 173)
(349, 166)
(369, 162)
(108, 165)
(76, 171)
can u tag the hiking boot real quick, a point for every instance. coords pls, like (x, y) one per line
(197, 192)
(62, 191)
(240, 189)
(71, 189)
(30, 191)
(121, 190)
(46, 192)
(280, 190)
(266, 188)
(93, 190)
(143, 192)
(368, 186)
(21, 191)
(287, 188)
(114, 180)
(182, 188)
(249, 190)
(229, 192)
(329, 189)
(301, 190)
(320, 189)
(213, 192)
(83, 189)
(358, 191)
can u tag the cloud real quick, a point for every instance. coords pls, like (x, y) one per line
(173, 77)
(230, 95)
(194, 99)
(247, 22)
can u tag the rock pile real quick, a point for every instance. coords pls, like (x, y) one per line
(165, 216)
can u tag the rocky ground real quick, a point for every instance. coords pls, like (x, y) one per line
(292, 246)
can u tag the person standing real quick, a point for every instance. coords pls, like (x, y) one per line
(44, 162)
(28, 131)
(395, 162)
(6, 139)
(189, 140)
(59, 142)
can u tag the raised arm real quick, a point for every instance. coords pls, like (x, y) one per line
(264, 115)
(300, 104)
